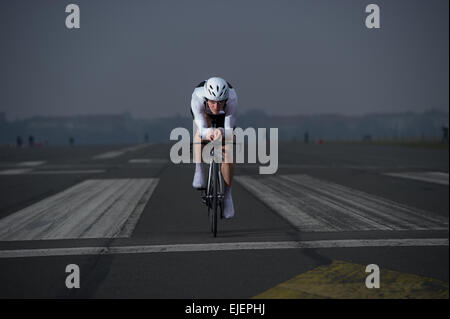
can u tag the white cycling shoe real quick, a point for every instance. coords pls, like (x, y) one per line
(199, 176)
(228, 207)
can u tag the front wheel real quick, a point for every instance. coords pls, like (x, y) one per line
(213, 207)
(213, 217)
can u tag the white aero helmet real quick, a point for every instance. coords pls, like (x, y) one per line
(216, 89)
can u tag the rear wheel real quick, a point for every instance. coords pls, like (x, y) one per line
(213, 201)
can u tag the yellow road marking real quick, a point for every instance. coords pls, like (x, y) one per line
(344, 280)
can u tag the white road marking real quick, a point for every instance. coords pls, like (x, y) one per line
(31, 171)
(86, 171)
(148, 161)
(146, 249)
(431, 177)
(90, 209)
(335, 165)
(31, 163)
(15, 171)
(114, 154)
(312, 205)
(108, 155)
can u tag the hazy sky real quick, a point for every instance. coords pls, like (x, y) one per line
(283, 57)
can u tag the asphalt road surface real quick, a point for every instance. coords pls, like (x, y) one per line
(130, 221)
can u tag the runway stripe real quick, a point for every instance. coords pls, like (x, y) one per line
(334, 166)
(31, 163)
(114, 154)
(15, 171)
(430, 177)
(108, 155)
(312, 205)
(147, 249)
(30, 171)
(55, 172)
(90, 209)
(148, 161)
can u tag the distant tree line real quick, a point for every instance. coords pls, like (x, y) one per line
(124, 129)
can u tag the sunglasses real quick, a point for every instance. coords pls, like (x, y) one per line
(218, 102)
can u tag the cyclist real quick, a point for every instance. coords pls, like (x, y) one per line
(214, 96)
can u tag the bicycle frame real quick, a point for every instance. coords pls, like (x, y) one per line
(214, 171)
(214, 193)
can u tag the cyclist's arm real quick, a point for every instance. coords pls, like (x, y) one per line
(199, 116)
(231, 112)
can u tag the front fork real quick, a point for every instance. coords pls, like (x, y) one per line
(206, 195)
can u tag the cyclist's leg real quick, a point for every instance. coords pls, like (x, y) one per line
(228, 163)
(228, 173)
(198, 148)
(200, 175)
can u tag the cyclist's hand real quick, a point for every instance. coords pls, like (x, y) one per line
(217, 134)
(210, 135)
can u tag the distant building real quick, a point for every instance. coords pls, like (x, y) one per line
(19, 141)
(445, 134)
(31, 140)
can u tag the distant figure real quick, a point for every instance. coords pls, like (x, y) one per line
(146, 137)
(19, 141)
(31, 140)
(71, 141)
(306, 138)
(445, 134)
(367, 138)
